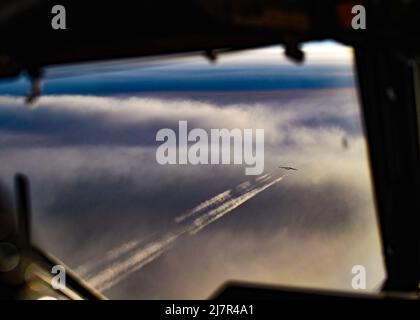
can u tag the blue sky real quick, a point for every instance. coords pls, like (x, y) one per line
(327, 66)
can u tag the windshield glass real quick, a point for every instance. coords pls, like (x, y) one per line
(143, 214)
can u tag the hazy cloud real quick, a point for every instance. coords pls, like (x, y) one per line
(103, 204)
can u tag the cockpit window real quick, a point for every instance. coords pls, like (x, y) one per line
(138, 216)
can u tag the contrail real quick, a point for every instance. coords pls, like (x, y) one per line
(115, 273)
(225, 208)
(220, 198)
(88, 271)
(211, 202)
(205, 213)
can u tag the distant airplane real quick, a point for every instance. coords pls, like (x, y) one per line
(288, 168)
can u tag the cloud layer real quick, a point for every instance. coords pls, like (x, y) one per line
(140, 230)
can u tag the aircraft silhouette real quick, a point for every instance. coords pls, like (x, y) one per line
(288, 168)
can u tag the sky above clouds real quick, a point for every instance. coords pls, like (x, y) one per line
(136, 229)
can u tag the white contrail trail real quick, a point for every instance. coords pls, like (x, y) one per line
(213, 201)
(213, 211)
(221, 197)
(106, 278)
(114, 254)
(86, 271)
(225, 208)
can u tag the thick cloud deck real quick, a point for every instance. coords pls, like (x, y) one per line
(137, 229)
